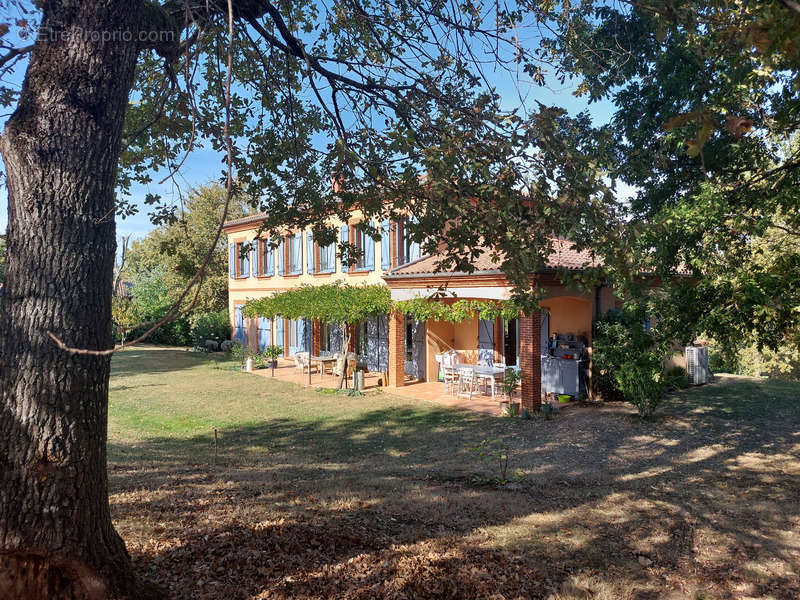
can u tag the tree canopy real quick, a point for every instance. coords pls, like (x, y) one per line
(176, 249)
(705, 129)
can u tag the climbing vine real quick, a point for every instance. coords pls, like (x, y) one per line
(424, 309)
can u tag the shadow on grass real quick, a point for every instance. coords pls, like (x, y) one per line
(144, 359)
(381, 506)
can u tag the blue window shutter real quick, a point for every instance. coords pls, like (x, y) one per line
(385, 245)
(256, 265)
(343, 237)
(279, 332)
(263, 333)
(270, 259)
(301, 335)
(486, 340)
(297, 253)
(310, 252)
(280, 258)
(413, 249)
(369, 252)
(232, 261)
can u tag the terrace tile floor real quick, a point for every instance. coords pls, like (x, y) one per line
(428, 391)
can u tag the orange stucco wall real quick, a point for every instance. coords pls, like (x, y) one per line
(569, 314)
(439, 337)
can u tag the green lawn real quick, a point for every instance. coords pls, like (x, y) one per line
(315, 495)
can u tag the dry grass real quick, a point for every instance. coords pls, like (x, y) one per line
(325, 496)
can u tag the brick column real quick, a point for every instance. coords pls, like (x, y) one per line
(351, 347)
(315, 335)
(397, 357)
(392, 245)
(530, 360)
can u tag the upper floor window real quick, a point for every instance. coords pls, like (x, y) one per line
(327, 258)
(295, 259)
(240, 259)
(266, 258)
(366, 250)
(407, 249)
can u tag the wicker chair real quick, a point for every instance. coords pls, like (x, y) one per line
(301, 361)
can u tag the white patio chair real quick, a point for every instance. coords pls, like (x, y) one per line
(466, 382)
(449, 372)
(450, 377)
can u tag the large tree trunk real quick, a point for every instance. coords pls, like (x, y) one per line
(61, 148)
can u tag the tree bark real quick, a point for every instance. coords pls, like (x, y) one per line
(60, 149)
(345, 350)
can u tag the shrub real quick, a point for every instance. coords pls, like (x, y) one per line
(627, 361)
(210, 326)
(174, 333)
(640, 381)
(239, 352)
(676, 378)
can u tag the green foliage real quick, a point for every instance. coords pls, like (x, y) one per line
(496, 454)
(124, 317)
(455, 311)
(150, 298)
(176, 250)
(240, 352)
(150, 293)
(272, 352)
(676, 378)
(511, 379)
(628, 360)
(640, 381)
(209, 326)
(781, 363)
(705, 132)
(333, 302)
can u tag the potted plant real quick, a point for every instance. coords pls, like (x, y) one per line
(273, 352)
(511, 380)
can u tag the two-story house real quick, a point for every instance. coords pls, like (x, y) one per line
(552, 349)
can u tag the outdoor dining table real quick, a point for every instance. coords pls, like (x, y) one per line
(322, 360)
(484, 371)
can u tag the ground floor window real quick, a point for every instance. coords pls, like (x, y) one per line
(324, 337)
(362, 339)
(511, 342)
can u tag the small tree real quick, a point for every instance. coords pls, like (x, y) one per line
(333, 302)
(124, 316)
(272, 352)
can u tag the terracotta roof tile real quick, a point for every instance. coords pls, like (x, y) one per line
(564, 255)
(244, 220)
